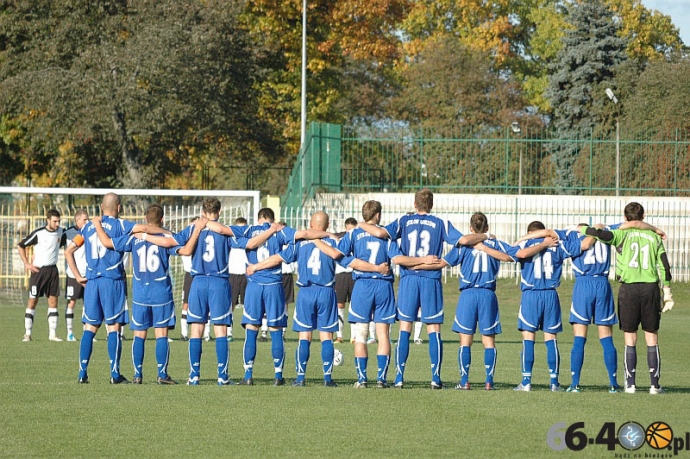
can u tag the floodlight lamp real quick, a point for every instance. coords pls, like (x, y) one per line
(515, 127)
(611, 95)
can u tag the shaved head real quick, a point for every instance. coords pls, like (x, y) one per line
(319, 221)
(111, 204)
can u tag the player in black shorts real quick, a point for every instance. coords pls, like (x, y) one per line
(44, 280)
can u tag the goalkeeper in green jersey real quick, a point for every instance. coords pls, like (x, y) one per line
(640, 263)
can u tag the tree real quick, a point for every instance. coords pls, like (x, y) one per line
(141, 86)
(591, 52)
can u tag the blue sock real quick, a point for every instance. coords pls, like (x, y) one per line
(402, 351)
(577, 358)
(278, 351)
(490, 355)
(553, 359)
(194, 357)
(327, 352)
(361, 368)
(85, 349)
(436, 355)
(301, 358)
(527, 356)
(464, 362)
(249, 352)
(138, 355)
(162, 356)
(114, 344)
(610, 359)
(223, 355)
(382, 371)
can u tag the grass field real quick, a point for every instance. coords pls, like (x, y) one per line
(46, 413)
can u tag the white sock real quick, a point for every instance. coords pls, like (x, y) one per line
(372, 330)
(183, 324)
(417, 331)
(264, 326)
(207, 330)
(341, 323)
(29, 320)
(52, 321)
(69, 320)
(230, 330)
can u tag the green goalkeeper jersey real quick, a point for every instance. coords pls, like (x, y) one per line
(639, 256)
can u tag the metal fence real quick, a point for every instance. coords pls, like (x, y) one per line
(503, 161)
(509, 216)
(500, 161)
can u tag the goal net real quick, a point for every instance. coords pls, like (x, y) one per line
(23, 209)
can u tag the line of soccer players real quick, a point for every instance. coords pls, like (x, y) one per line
(414, 242)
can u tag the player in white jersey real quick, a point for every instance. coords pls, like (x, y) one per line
(237, 267)
(344, 283)
(74, 290)
(44, 280)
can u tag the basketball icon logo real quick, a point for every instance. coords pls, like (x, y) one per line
(659, 435)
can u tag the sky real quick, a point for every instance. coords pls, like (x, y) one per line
(679, 10)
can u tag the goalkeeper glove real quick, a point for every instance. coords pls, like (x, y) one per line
(668, 300)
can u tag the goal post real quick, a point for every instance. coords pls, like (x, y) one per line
(23, 209)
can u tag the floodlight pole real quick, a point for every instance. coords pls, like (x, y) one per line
(303, 120)
(614, 99)
(515, 127)
(618, 153)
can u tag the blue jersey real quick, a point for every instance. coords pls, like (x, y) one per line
(477, 269)
(543, 271)
(421, 235)
(102, 262)
(151, 284)
(272, 246)
(594, 262)
(210, 257)
(313, 266)
(357, 243)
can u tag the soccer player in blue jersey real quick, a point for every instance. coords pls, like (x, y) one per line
(372, 295)
(316, 307)
(477, 303)
(421, 234)
(104, 294)
(265, 294)
(540, 308)
(210, 290)
(152, 298)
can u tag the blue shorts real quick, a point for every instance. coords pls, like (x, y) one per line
(316, 309)
(415, 292)
(477, 305)
(372, 299)
(540, 310)
(264, 299)
(104, 301)
(145, 317)
(592, 302)
(209, 295)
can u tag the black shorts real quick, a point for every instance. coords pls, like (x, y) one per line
(73, 289)
(639, 304)
(288, 288)
(186, 285)
(238, 285)
(46, 282)
(343, 287)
